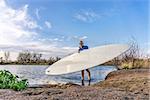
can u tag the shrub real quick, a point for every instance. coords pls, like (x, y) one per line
(126, 65)
(10, 81)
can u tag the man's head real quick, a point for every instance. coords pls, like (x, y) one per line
(81, 43)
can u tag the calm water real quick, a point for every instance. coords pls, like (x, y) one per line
(36, 74)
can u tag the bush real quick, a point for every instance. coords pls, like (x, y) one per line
(10, 81)
(126, 65)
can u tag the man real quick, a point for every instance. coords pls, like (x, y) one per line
(81, 48)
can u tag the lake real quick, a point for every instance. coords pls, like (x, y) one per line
(36, 74)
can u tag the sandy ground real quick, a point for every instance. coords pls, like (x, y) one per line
(119, 85)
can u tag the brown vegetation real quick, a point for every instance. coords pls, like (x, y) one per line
(131, 59)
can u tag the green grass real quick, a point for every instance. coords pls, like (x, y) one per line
(10, 81)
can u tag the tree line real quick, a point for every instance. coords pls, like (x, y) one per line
(28, 58)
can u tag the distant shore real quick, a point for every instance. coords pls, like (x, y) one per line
(121, 84)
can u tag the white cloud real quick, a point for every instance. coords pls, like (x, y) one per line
(37, 13)
(83, 38)
(48, 24)
(81, 17)
(148, 51)
(15, 24)
(87, 16)
(46, 49)
(17, 33)
(80, 38)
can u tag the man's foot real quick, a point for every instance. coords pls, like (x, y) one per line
(82, 82)
(89, 82)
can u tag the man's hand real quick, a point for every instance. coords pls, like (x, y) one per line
(78, 51)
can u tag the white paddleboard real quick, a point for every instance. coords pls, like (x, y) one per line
(86, 59)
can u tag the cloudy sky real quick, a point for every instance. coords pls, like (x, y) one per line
(54, 27)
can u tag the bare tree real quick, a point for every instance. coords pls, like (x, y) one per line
(6, 55)
(28, 57)
(1, 59)
(132, 54)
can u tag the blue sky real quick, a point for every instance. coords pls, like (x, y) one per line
(61, 23)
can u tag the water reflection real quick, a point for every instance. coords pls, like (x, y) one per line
(36, 74)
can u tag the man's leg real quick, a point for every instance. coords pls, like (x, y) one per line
(89, 76)
(82, 72)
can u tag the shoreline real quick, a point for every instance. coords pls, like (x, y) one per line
(120, 84)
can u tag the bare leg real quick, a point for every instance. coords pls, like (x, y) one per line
(89, 76)
(82, 72)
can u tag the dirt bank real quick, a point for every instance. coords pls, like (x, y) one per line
(119, 85)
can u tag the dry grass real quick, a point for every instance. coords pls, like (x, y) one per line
(131, 59)
(138, 63)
